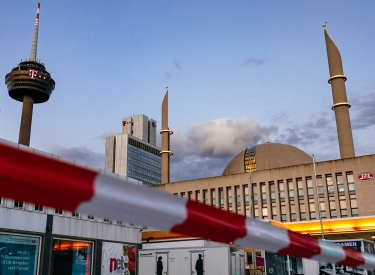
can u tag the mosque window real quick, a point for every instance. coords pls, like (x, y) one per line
(265, 213)
(197, 195)
(264, 191)
(310, 188)
(350, 180)
(281, 190)
(329, 185)
(340, 183)
(319, 182)
(274, 213)
(272, 191)
(205, 196)
(190, 195)
(300, 188)
(213, 197)
(290, 189)
(221, 197)
(246, 194)
(255, 193)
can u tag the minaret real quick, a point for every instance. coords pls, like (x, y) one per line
(340, 103)
(165, 141)
(29, 83)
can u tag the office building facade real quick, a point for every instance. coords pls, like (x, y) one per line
(134, 152)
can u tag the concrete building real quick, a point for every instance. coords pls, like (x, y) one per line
(35, 239)
(134, 152)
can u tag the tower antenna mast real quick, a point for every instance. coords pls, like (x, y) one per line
(34, 43)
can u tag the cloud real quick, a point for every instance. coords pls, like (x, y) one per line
(253, 61)
(177, 64)
(363, 111)
(317, 135)
(82, 155)
(206, 148)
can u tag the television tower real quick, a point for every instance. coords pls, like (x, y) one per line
(29, 83)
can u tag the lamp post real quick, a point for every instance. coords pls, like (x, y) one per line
(317, 196)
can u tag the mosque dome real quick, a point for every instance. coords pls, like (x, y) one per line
(266, 156)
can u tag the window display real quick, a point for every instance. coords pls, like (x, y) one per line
(71, 257)
(19, 254)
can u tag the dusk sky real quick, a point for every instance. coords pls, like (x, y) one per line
(239, 73)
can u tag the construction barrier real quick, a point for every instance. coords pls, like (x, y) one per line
(37, 178)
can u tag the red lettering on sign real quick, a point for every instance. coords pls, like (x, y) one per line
(365, 176)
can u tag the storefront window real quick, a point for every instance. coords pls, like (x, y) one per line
(19, 254)
(71, 257)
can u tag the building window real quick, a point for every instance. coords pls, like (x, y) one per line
(255, 193)
(272, 191)
(182, 194)
(329, 185)
(310, 188)
(264, 192)
(312, 216)
(290, 189)
(205, 196)
(265, 213)
(90, 217)
(246, 194)
(229, 198)
(237, 195)
(106, 220)
(283, 213)
(58, 211)
(274, 213)
(350, 179)
(300, 188)
(340, 184)
(197, 195)
(293, 215)
(319, 182)
(302, 210)
(190, 195)
(221, 197)
(18, 204)
(75, 214)
(256, 212)
(281, 190)
(38, 207)
(303, 216)
(213, 197)
(119, 222)
(354, 207)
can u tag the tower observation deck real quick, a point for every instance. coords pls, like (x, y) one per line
(29, 83)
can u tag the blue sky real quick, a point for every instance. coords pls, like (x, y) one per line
(239, 72)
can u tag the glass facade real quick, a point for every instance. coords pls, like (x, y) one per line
(249, 160)
(71, 257)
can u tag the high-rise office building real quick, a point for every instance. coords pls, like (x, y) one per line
(134, 152)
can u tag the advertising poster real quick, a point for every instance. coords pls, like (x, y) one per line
(19, 254)
(330, 269)
(118, 258)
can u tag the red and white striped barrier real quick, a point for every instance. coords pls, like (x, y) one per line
(37, 178)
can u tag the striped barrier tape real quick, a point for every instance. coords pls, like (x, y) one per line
(38, 178)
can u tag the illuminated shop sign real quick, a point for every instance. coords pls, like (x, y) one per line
(365, 176)
(119, 258)
(19, 255)
(37, 74)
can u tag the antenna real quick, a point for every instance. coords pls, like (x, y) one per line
(34, 43)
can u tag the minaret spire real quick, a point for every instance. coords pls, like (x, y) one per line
(340, 102)
(165, 141)
(34, 44)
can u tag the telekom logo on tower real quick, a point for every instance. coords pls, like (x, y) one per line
(365, 176)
